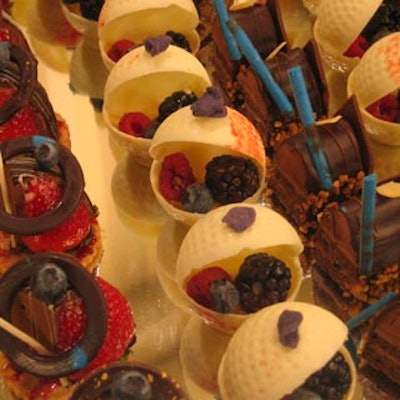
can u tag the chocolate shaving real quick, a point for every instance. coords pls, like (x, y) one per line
(288, 328)
(240, 218)
(211, 104)
(157, 44)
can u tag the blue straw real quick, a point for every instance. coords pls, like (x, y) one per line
(254, 58)
(368, 200)
(223, 16)
(307, 118)
(370, 311)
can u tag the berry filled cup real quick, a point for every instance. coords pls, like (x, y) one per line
(206, 155)
(144, 87)
(237, 260)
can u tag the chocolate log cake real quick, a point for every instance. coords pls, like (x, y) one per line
(339, 283)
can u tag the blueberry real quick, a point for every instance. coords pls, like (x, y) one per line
(131, 385)
(47, 154)
(225, 296)
(197, 198)
(49, 284)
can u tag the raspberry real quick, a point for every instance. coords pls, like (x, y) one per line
(199, 285)
(135, 124)
(262, 280)
(358, 47)
(176, 175)
(119, 49)
(231, 179)
(387, 108)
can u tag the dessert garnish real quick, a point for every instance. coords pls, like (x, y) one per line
(157, 44)
(131, 385)
(387, 108)
(288, 328)
(240, 218)
(22, 169)
(211, 104)
(18, 279)
(197, 198)
(89, 9)
(120, 48)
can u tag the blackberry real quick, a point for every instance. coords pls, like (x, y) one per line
(385, 21)
(262, 280)
(179, 40)
(332, 381)
(90, 9)
(174, 102)
(231, 179)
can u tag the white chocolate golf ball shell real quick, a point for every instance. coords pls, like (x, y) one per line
(210, 242)
(338, 23)
(201, 139)
(377, 75)
(137, 20)
(257, 366)
(139, 82)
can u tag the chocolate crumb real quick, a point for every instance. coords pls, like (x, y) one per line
(288, 328)
(211, 104)
(240, 218)
(157, 44)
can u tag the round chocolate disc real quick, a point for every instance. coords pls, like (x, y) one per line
(72, 188)
(58, 365)
(98, 384)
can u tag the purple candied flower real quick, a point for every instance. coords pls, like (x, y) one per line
(240, 218)
(157, 44)
(211, 104)
(288, 328)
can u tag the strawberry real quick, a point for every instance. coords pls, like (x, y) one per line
(120, 330)
(135, 124)
(119, 49)
(176, 175)
(199, 285)
(23, 123)
(41, 193)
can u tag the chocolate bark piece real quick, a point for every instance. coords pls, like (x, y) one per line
(380, 354)
(69, 171)
(18, 71)
(98, 384)
(20, 354)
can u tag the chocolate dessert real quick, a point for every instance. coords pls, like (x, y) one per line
(339, 282)
(296, 188)
(24, 107)
(43, 205)
(380, 353)
(138, 380)
(50, 279)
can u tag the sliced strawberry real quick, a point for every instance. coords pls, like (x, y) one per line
(199, 285)
(119, 49)
(120, 329)
(66, 236)
(135, 124)
(175, 176)
(71, 318)
(23, 123)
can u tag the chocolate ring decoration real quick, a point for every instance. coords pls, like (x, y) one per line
(95, 386)
(19, 353)
(21, 72)
(71, 196)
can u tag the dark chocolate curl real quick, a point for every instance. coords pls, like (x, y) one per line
(240, 218)
(157, 44)
(288, 328)
(211, 104)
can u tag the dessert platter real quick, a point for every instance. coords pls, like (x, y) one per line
(217, 212)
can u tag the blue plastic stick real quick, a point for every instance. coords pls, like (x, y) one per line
(368, 200)
(307, 118)
(370, 311)
(223, 16)
(255, 60)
